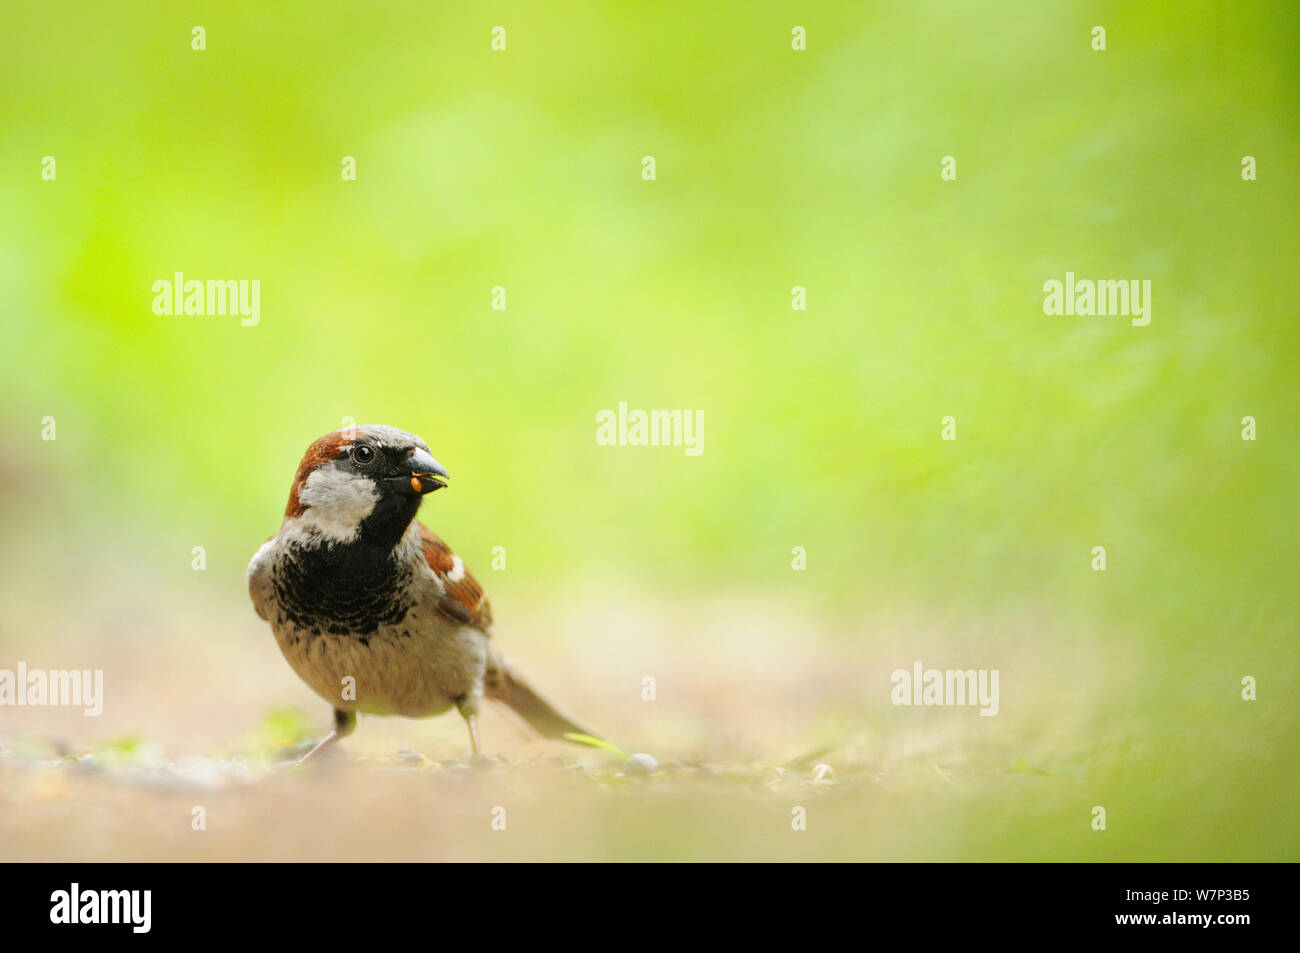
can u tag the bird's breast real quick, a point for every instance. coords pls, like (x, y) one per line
(420, 666)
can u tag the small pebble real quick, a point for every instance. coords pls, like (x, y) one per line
(640, 764)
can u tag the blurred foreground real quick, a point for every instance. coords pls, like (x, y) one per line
(762, 706)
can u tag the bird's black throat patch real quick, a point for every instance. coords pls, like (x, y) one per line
(344, 589)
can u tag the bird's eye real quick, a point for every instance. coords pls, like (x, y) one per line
(363, 455)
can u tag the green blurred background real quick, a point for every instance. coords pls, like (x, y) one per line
(775, 168)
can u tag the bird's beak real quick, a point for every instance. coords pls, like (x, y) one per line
(422, 474)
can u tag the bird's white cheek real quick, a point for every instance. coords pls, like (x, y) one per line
(336, 502)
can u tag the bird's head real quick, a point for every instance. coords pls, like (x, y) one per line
(363, 483)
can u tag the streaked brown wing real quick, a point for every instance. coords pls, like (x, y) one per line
(465, 600)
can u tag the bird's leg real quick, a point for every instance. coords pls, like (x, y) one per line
(469, 711)
(472, 721)
(344, 722)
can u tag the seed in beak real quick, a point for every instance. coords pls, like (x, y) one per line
(416, 485)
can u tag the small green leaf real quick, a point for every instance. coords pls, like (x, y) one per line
(592, 741)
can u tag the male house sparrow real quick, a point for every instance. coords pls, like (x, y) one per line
(371, 609)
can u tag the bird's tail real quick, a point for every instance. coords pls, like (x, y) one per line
(504, 685)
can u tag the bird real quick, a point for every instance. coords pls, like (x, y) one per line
(371, 608)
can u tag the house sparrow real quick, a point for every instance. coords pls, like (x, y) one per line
(371, 609)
